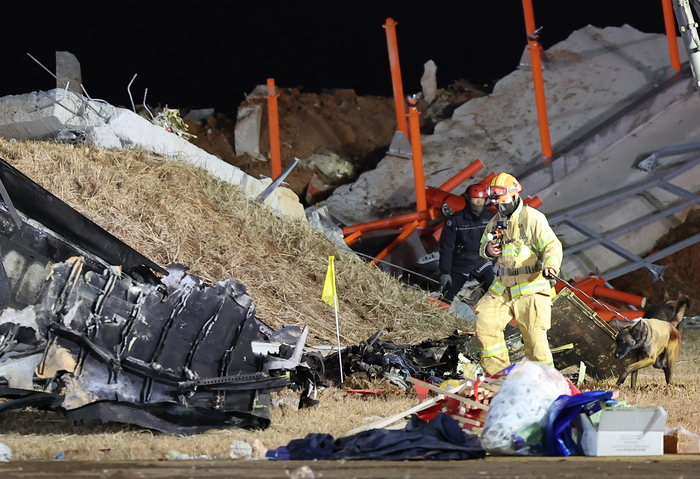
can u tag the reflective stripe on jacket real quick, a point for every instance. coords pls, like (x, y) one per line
(528, 241)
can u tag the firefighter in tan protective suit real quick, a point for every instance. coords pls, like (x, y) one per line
(528, 253)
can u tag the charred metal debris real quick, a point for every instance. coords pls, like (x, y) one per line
(135, 344)
(432, 361)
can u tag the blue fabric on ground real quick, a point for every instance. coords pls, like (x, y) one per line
(279, 453)
(440, 439)
(558, 437)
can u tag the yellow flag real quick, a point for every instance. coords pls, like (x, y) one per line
(329, 291)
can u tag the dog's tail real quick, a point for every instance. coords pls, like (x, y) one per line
(682, 303)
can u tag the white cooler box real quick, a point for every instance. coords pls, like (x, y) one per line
(624, 431)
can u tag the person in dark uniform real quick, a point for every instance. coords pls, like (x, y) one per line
(459, 245)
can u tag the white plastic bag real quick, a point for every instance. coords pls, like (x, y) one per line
(518, 416)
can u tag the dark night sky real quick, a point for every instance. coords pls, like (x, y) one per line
(208, 54)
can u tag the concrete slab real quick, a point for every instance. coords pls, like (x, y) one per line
(68, 72)
(41, 115)
(248, 130)
(614, 169)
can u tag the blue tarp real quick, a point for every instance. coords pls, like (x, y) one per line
(558, 438)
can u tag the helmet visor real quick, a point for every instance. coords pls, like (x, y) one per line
(495, 192)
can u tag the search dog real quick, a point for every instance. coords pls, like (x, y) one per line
(651, 342)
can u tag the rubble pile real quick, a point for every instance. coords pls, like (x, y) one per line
(335, 127)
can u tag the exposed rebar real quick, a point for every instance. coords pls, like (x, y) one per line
(128, 89)
(80, 95)
(145, 93)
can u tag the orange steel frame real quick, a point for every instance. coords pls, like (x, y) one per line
(390, 27)
(671, 34)
(430, 200)
(536, 63)
(417, 155)
(535, 60)
(273, 117)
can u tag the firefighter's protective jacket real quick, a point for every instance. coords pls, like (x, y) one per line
(529, 245)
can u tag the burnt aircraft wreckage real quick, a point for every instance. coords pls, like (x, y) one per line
(132, 343)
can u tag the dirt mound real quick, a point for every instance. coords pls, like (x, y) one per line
(682, 272)
(359, 129)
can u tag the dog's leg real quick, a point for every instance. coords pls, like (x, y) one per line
(671, 355)
(646, 362)
(633, 379)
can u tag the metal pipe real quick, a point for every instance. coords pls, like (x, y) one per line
(535, 49)
(400, 239)
(671, 34)
(535, 202)
(608, 316)
(391, 222)
(390, 27)
(622, 297)
(273, 120)
(462, 176)
(418, 178)
(350, 239)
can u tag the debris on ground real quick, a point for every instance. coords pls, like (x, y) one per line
(518, 416)
(240, 450)
(303, 472)
(441, 439)
(5, 453)
(433, 361)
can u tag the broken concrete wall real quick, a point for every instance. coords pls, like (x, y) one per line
(594, 73)
(68, 72)
(42, 115)
(247, 132)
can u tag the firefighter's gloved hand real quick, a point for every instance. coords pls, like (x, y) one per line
(445, 280)
(549, 272)
(493, 249)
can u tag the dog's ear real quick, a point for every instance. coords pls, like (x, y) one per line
(667, 297)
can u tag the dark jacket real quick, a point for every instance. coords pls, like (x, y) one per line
(459, 243)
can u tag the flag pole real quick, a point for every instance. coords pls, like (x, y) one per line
(328, 291)
(337, 330)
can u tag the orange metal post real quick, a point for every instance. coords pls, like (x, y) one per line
(400, 239)
(462, 176)
(418, 178)
(390, 27)
(536, 63)
(350, 239)
(272, 115)
(671, 34)
(626, 298)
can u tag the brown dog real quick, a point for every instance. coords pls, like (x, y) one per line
(651, 342)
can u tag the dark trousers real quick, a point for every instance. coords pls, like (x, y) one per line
(483, 274)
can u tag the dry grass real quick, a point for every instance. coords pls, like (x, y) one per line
(37, 435)
(173, 212)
